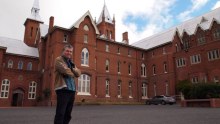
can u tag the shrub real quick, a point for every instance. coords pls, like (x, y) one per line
(198, 90)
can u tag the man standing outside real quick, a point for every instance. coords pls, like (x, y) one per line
(65, 73)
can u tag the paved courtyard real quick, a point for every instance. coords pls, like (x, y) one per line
(114, 114)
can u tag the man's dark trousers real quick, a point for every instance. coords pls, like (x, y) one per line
(65, 100)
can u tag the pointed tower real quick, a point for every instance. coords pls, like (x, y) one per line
(32, 25)
(106, 25)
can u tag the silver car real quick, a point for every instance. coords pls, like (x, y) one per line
(161, 99)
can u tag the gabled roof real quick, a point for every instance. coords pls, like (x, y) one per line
(106, 15)
(18, 47)
(77, 23)
(190, 27)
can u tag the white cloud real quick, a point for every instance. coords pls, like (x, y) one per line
(216, 5)
(196, 5)
(66, 12)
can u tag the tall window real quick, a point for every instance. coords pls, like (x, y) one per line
(155, 89)
(186, 44)
(65, 38)
(119, 88)
(216, 34)
(119, 64)
(129, 69)
(118, 50)
(129, 52)
(142, 55)
(110, 35)
(144, 90)
(107, 88)
(32, 90)
(29, 66)
(177, 48)
(195, 59)
(165, 67)
(143, 70)
(85, 38)
(167, 88)
(195, 79)
(130, 90)
(10, 63)
(5, 88)
(213, 55)
(107, 48)
(31, 31)
(154, 69)
(107, 65)
(164, 50)
(201, 39)
(85, 57)
(180, 62)
(20, 65)
(84, 84)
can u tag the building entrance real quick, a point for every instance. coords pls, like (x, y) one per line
(17, 97)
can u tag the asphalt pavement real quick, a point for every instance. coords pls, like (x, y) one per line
(114, 114)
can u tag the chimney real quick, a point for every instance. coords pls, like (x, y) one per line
(51, 23)
(125, 38)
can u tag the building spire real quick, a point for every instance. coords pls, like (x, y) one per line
(105, 13)
(35, 11)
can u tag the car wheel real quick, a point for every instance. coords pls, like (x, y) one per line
(147, 103)
(163, 103)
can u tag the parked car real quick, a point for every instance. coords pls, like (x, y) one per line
(161, 99)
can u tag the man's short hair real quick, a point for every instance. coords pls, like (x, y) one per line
(67, 46)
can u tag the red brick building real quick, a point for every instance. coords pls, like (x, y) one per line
(111, 71)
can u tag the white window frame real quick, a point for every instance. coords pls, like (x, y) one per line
(130, 89)
(129, 69)
(143, 70)
(144, 90)
(107, 63)
(10, 63)
(5, 88)
(84, 85)
(165, 67)
(107, 48)
(85, 38)
(85, 57)
(119, 67)
(20, 65)
(195, 59)
(29, 66)
(107, 88)
(180, 62)
(32, 90)
(195, 79)
(213, 55)
(119, 89)
(65, 38)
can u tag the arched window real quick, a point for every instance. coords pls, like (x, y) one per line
(119, 68)
(29, 66)
(154, 69)
(119, 88)
(32, 90)
(129, 69)
(107, 65)
(107, 94)
(143, 70)
(85, 57)
(20, 65)
(130, 89)
(144, 90)
(5, 88)
(84, 84)
(10, 63)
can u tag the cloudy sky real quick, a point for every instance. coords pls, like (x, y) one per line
(141, 18)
